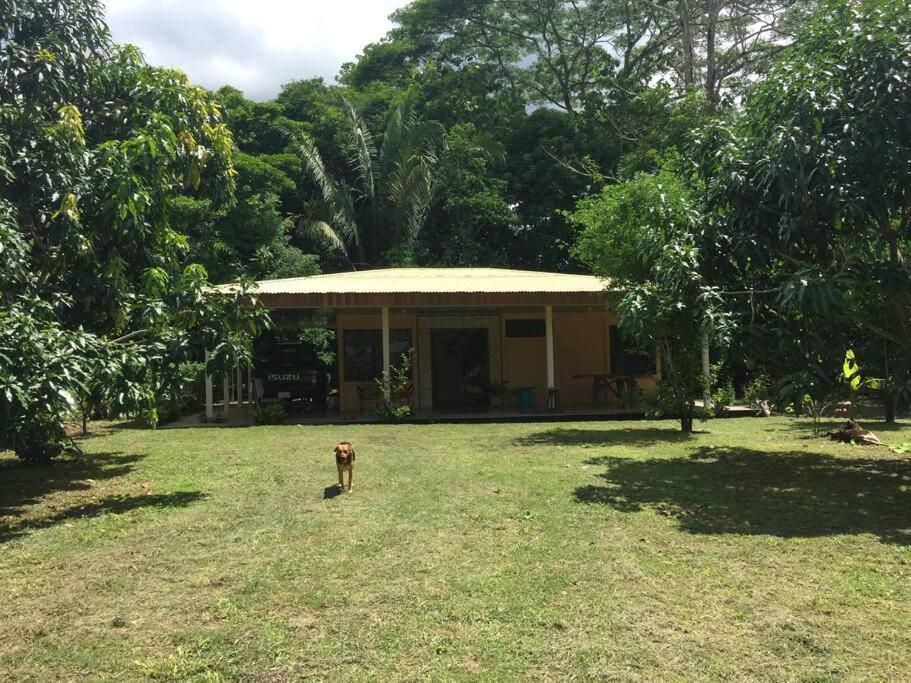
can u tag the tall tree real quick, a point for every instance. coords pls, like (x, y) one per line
(571, 55)
(646, 236)
(377, 218)
(470, 221)
(94, 285)
(813, 177)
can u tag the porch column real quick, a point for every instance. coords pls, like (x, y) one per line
(386, 368)
(250, 398)
(707, 375)
(210, 406)
(226, 396)
(239, 391)
(549, 346)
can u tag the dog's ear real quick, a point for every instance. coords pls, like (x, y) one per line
(351, 449)
(337, 449)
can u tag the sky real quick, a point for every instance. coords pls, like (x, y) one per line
(254, 45)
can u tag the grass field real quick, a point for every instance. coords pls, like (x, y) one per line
(607, 551)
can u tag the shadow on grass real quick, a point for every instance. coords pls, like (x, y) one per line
(332, 492)
(104, 506)
(630, 436)
(744, 491)
(23, 486)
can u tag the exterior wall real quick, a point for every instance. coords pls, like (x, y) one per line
(524, 361)
(581, 347)
(348, 400)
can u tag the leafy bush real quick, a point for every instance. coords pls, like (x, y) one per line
(631, 397)
(723, 397)
(757, 389)
(185, 392)
(269, 414)
(392, 408)
(661, 402)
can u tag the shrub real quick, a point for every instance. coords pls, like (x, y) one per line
(758, 389)
(392, 408)
(631, 397)
(661, 402)
(723, 397)
(269, 414)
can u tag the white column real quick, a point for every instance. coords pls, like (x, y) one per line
(707, 374)
(210, 406)
(239, 390)
(250, 384)
(549, 345)
(226, 396)
(386, 368)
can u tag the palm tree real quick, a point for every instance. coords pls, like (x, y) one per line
(377, 217)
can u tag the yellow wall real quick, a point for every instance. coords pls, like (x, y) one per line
(580, 348)
(524, 362)
(581, 340)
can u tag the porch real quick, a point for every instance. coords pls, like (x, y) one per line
(485, 344)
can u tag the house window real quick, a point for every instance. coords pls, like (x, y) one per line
(625, 359)
(531, 327)
(363, 351)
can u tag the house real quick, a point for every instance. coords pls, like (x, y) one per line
(482, 339)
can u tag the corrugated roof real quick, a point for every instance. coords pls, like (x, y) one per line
(434, 281)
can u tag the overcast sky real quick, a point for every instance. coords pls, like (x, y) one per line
(254, 45)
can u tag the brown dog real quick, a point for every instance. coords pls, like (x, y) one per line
(344, 461)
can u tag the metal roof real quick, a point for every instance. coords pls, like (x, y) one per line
(434, 281)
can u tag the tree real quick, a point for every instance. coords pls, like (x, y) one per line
(644, 235)
(377, 218)
(813, 177)
(552, 160)
(571, 55)
(95, 292)
(470, 222)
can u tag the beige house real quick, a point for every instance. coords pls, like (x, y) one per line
(483, 340)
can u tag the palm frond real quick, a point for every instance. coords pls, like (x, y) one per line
(322, 234)
(337, 204)
(361, 150)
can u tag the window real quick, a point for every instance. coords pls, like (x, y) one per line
(364, 351)
(625, 359)
(533, 327)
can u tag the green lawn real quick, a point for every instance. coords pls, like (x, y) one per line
(615, 550)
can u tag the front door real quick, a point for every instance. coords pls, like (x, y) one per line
(460, 369)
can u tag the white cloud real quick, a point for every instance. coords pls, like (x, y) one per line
(254, 45)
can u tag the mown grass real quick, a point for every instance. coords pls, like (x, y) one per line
(593, 551)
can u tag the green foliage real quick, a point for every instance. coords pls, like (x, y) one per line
(758, 389)
(470, 222)
(97, 300)
(811, 179)
(723, 397)
(393, 407)
(383, 210)
(661, 402)
(269, 414)
(183, 393)
(644, 235)
(631, 397)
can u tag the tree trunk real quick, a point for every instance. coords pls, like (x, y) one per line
(712, 89)
(889, 407)
(85, 419)
(686, 424)
(686, 39)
